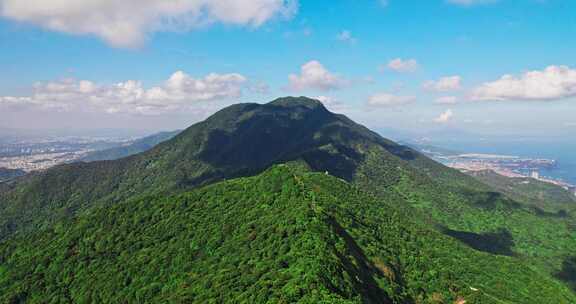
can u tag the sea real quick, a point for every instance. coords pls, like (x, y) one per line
(563, 151)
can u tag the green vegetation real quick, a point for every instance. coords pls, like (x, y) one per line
(138, 146)
(240, 140)
(379, 223)
(472, 212)
(284, 236)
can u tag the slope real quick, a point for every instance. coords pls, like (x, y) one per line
(284, 236)
(476, 214)
(240, 140)
(546, 196)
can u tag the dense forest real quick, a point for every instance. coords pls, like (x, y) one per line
(283, 236)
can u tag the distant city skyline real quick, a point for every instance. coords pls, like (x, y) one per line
(482, 67)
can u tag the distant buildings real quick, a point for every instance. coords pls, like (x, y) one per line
(506, 165)
(38, 162)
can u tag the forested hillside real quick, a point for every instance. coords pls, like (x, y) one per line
(284, 236)
(240, 140)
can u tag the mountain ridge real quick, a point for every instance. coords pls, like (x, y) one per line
(247, 139)
(203, 153)
(138, 146)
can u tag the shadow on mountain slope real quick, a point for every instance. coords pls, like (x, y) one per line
(358, 266)
(568, 272)
(500, 242)
(320, 138)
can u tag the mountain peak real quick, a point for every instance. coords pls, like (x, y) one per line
(302, 101)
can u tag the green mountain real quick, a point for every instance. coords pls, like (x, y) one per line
(390, 225)
(138, 146)
(8, 174)
(240, 140)
(283, 236)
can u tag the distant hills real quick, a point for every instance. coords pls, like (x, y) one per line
(138, 146)
(280, 202)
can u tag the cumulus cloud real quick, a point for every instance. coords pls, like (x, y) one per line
(177, 93)
(444, 100)
(313, 75)
(389, 100)
(346, 36)
(403, 65)
(444, 84)
(332, 103)
(326, 100)
(445, 117)
(552, 83)
(126, 23)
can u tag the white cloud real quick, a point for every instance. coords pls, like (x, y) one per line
(346, 36)
(313, 75)
(570, 124)
(403, 66)
(126, 23)
(470, 2)
(444, 100)
(326, 100)
(552, 83)
(332, 104)
(444, 84)
(389, 100)
(445, 117)
(177, 93)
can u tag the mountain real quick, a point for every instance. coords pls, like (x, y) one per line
(240, 140)
(73, 205)
(138, 146)
(8, 174)
(284, 236)
(542, 195)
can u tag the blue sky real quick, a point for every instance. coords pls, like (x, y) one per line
(404, 64)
